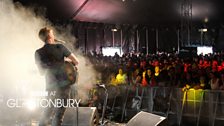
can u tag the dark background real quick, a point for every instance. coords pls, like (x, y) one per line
(92, 24)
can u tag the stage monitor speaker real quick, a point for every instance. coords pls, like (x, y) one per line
(147, 119)
(81, 116)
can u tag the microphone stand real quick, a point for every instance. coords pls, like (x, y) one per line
(102, 122)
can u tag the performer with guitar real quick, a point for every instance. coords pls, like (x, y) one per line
(60, 75)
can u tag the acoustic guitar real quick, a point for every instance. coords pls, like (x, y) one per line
(71, 72)
(66, 74)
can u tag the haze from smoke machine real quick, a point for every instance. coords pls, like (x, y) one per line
(19, 40)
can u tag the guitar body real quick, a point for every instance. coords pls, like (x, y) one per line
(70, 72)
(62, 75)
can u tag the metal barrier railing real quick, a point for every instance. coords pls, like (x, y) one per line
(202, 106)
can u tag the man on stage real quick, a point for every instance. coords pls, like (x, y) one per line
(50, 61)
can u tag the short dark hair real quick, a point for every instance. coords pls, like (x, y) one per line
(43, 33)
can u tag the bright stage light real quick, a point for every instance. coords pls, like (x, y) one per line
(206, 20)
(31, 104)
(110, 51)
(204, 50)
(203, 30)
(114, 29)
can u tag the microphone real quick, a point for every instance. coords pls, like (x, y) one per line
(101, 85)
(60, 41)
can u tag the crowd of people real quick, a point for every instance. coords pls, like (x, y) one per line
(162, 69)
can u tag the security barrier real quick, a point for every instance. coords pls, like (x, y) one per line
(188, 107)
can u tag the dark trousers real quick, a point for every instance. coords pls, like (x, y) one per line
(54, 115)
